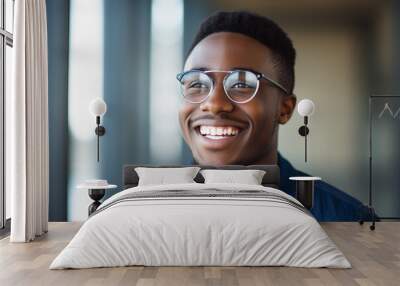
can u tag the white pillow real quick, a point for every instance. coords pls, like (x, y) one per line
(162, 176)
(249, 177)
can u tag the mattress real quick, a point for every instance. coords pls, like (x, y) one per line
(201, 225)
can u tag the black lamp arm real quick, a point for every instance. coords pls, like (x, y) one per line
(303, 131)
(100, 131)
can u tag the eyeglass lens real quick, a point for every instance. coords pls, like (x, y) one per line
(240, 86)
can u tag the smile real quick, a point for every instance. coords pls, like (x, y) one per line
(218, 132)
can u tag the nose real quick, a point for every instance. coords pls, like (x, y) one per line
(217, 101)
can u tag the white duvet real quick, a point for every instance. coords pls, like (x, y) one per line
(190, 231)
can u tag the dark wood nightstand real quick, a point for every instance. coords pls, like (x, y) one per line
(96, 193)
(305, 190)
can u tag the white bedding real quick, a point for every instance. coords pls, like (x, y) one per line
(183, 231)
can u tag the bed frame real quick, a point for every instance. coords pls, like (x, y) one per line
(271, 178)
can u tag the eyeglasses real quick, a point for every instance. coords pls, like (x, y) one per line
(240, 85)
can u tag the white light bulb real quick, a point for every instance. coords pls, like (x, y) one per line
(305, 107)
(98, 107)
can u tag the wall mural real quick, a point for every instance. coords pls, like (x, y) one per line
(130, 52)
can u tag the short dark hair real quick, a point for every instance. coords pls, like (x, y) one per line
(259, 28)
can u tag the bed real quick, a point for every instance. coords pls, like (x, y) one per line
(201, 224)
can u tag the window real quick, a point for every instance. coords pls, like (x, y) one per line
(6, 44)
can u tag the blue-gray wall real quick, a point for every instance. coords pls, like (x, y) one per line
(126, 86)
(57, 28)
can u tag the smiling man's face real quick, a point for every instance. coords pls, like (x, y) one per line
(221, 132)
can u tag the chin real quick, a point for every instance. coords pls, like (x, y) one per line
(217, 160)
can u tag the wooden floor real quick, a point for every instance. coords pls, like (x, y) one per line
(375, 257)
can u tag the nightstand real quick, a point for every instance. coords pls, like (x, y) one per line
(96, 193)
(305, 190)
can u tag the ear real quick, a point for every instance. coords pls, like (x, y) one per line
(288, 103)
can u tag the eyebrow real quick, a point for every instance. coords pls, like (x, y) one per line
(248, 69)
(199, 69)
(232, 69)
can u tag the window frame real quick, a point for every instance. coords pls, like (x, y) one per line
(6, 39)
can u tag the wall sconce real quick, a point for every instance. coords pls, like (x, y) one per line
(98, 108)
(305, 108)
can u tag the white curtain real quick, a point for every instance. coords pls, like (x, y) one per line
(28, 120)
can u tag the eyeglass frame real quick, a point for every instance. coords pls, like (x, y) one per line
(258, 75)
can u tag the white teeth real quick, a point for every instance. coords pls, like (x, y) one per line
(215, 137)
(218, 131)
